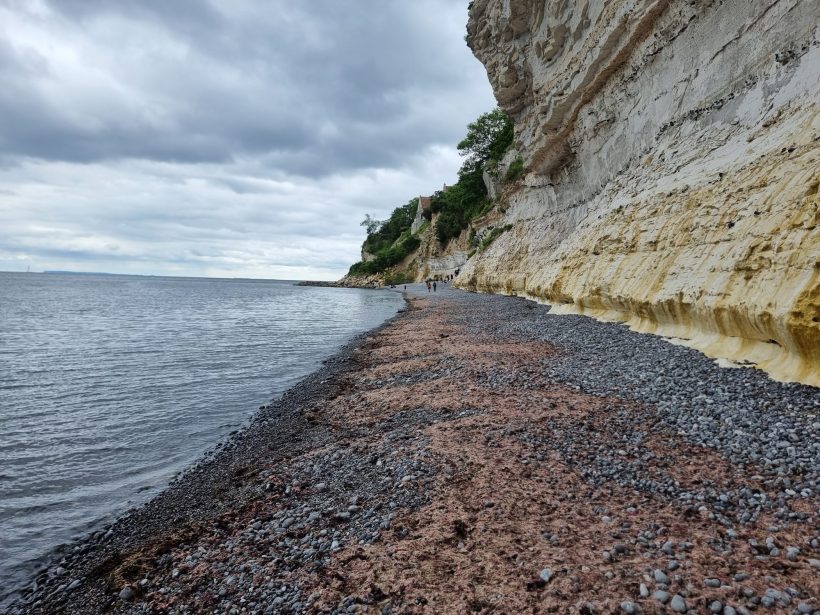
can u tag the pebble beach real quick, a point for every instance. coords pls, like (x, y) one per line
(477, 454)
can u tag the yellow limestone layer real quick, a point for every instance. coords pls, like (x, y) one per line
(732, 267)
(671, 168)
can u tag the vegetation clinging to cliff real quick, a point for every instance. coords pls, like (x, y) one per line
(488, 138)
(389, 241)
(381, 235)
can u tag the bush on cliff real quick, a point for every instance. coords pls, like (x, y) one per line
(389, 241)
(492, 236)
(384, 234)
(488, 138)
(386, 257)
(515, 170)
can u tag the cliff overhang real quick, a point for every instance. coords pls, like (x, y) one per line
(672, 154)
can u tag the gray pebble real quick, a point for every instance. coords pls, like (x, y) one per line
(643, 590)
(660, 576)
(661, 596)
(630, 608)
(678, 604)
(126, 593)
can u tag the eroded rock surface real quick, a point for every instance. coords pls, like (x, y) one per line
(672, 155)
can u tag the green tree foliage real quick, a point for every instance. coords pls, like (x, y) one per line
(387, 257)
(371, 224)
(383, 234)
(487, 139)
(389, 241)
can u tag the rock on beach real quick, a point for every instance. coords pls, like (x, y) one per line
(531, 444)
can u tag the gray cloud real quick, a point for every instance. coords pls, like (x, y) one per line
(316, 87)
(218, 122)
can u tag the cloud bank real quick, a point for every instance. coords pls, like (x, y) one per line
(223, 139)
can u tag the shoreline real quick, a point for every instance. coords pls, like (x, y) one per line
(464, 427)
(142, 522)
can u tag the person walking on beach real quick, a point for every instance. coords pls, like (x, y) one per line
(428, 286)
(434, 287)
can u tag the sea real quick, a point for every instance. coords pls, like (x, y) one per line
(110, 385)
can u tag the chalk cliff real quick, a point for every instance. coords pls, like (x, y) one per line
(672, 166)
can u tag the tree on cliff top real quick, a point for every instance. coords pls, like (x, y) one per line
(487, 139)
(382, 235)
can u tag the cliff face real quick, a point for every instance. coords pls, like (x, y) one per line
(431, 260)
(672, 157)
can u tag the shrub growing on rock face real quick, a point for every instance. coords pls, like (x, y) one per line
(515, 170)
(390, 240)
(396, 277)
(488, 138)
(383, 234)
(386, 257)
(492, 236)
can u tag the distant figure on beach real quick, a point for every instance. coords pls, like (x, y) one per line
(405, 287)
(434, 287)
(428, 286)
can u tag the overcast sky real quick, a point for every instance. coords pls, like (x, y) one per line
(242, 138)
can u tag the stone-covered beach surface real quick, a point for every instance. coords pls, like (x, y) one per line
(478, 454)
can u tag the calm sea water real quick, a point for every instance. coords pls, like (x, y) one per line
(110, 385)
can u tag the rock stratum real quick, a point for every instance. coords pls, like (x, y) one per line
(671, 168)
